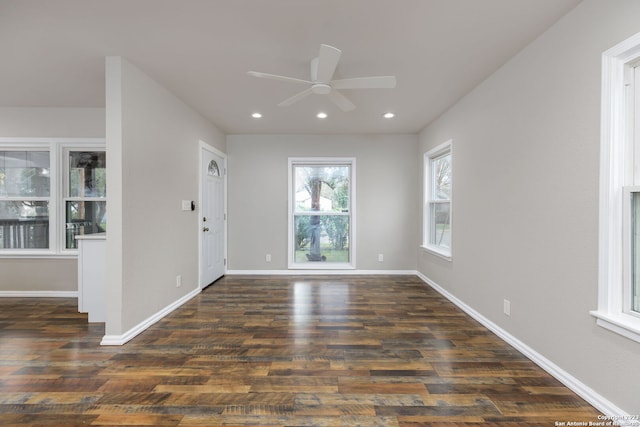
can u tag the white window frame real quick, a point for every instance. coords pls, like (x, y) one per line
(320, 161)
(64, 191)
(58, 167)
(52, 198)
(441, 150)
(627, 250)
(617, 159)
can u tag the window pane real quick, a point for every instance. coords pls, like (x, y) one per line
(440, 234)
(84, 218)
(635, 251)
(321, 238)
(87, 174)
(441, 170)
(321, 188)
(24, 173)
(213, 169)
(24, 225)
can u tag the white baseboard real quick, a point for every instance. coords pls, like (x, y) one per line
(596, 400)
(38, 294)
(318, 272)
(142, 326)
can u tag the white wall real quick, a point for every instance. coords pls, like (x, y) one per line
(37, 274)
(526, 159)
(152, 148)
(386, 206)
(52, 122)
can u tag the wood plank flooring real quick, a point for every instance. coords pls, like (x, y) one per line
(276, 351)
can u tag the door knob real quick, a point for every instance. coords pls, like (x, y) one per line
(205, 229)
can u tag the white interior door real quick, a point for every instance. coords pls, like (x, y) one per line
(212, 218)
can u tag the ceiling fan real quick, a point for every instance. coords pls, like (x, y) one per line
(322, 83)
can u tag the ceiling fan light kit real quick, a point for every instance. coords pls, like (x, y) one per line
(322, 70)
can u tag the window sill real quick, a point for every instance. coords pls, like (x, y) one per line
(623, 324)
(39, 255)
(446, 255)
(321, 266)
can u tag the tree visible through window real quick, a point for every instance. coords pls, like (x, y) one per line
(321, 214)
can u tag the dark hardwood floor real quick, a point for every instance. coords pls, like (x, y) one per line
(276, 351)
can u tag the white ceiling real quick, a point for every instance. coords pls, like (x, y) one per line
(52, 54)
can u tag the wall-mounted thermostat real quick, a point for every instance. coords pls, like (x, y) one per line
(188, 205)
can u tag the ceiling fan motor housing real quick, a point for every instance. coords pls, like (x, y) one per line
(320, 88)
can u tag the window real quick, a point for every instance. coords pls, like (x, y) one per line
(213, 169)
(631, 250)
(619, 229)
(50, 191)
(321, 205)
(437, 195)
(86, 191)
(25, 190)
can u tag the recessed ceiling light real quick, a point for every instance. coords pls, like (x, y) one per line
(389, 115)
(256, 115)
(321, 115)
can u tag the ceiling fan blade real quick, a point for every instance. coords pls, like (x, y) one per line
(341, 101)
(277, 77)
(377, 82)
(295, 98)
(327, 62)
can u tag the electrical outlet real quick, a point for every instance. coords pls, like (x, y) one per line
(507, 307)
(267, 257)
(380, 257)
(178, 280)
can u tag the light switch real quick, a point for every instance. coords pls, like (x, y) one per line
(186, 205)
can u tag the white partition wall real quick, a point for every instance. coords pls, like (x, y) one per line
(152, 152)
